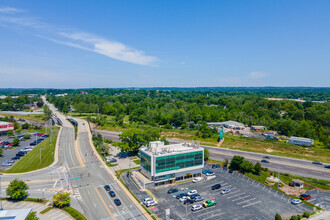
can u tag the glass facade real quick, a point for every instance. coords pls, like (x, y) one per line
(179, 161)
(145, 161)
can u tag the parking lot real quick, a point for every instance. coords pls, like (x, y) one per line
(248, 199)
(320, 198)
(8, 154)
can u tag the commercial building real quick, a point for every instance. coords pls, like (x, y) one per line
(258, 128)
(5, 127)
(164, 164)
(227, 124)
(15, 214)
(301, 141)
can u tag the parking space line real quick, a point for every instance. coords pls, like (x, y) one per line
(251, 204)
(229, 197)
(240, 198)
(232, 193)
(246, 201)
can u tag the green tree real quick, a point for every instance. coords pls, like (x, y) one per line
(1, 151)
(236, 162)
(225, 164)
(246, 166)
(61, 199)
(294, 217)
(15, 142)
(25, 126)
(151, 134)
(32, 216)
(257, 168)
(278, 217)
(306, 215)
(206, 154)
(17, 189)
(10, 133)
(27, 136)
(163, 139)
(131, 140)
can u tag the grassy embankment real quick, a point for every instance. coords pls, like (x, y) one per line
(31, 161)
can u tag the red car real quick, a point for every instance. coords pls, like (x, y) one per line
(305, 197)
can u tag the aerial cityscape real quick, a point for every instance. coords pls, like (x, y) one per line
(193, 110)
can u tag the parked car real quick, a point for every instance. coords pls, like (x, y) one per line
(112, 193)
(181, 195)
(188, 201)
(216, 186)
(6, 164)
(194, 196)
(214, 166)
(151, 203)
(265, 161)
(183, 198)
(192, 192)
(206, 171)
(218, 166)
(209, 203)
(317, 162)
(199, 198)
(296, 201)
(170, 191)
(107, 187)
(266, 157)
(209, 174)
(16, 158)
(196, 207)
(225, 191)
(197, 179)
(117, 202)
(305, 196)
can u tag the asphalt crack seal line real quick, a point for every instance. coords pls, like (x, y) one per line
(104, 203)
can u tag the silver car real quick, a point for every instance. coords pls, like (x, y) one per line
(196, 207)
(199, 198)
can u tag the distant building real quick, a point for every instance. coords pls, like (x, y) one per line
(227, 124)
(301, 141)
(84, 93)
(297, 183)
(5, 127)
(14, 214)
(164, 164)
(282, 113)
(31, 106)
(258, 128)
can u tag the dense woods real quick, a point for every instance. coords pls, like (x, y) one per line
(167, 108)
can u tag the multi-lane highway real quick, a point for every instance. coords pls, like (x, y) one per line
(277, 163)
(81, 172)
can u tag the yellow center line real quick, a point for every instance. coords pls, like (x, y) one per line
(104, 203)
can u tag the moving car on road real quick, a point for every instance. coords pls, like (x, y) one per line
(327, 166)
(225, 191)
(265, 161)
(209, 203)
(266, 157)
(296, 201)
(317, 162)
(117, 202)
(196, 207)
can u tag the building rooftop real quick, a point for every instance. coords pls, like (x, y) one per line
(229, 123)
(15, 214)
(301, 139)
(158, 148)
(5, 123)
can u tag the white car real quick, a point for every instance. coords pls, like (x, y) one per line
(196, 207)
(184, 198)
(209, 174)
(146, 200)
(197, 179)
(192, 192)
(296, 201)
(225, 191)
(151, 203)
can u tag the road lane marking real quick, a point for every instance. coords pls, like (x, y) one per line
(55, 184)
(98, 193)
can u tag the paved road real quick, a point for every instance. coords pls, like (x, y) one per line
(282, 164)
(84, 173)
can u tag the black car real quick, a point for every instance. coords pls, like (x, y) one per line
(33, 143)
(181, 195)
(107, 187)
(216, 186)
(265, 161)
(317, 162)
(172, 191)
(266, 157)
(20, 154)
(327, 166)
(16, 158)
(189, 201)
(117, 202)
(112, 193)
(194, 196)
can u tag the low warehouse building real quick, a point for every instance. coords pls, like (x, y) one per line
(301, 141)
(5, 127)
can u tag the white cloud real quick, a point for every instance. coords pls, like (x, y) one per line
(10, 10)
(81, 40)
(257, 75)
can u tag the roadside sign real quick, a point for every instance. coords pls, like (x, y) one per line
(154, 209)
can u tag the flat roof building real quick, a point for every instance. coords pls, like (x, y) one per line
(301, 141)
(14, 214)
(5, 127)
(164, 164)
(227, 124)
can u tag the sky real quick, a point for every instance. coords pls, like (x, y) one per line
(164, 43)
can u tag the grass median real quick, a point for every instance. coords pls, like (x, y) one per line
(31, 161)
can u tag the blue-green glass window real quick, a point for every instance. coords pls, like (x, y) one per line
(145, 161)
(174, 162)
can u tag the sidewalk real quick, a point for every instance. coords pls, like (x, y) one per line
(321, 216)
